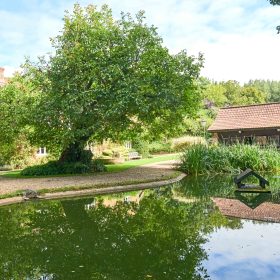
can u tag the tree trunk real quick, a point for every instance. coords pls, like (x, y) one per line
(73, 153)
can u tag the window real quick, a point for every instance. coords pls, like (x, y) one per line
(42, 151)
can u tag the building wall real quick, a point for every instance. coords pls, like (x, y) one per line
(260, 136)
(3, 80)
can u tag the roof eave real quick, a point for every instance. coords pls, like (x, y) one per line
(243, 129)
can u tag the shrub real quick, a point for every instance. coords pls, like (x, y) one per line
(199, 159)
(182, 143)
(160, 147)
(97, 165)
(50, 168)
(107, 153)
(57, 168)
(73, 168)
(142, 147)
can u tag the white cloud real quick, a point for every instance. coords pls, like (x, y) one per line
(238, 38)
(252, 253)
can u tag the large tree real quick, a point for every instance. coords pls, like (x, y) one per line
(109, 79)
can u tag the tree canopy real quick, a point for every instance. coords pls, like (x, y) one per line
(274, 2)
(270, 88)
(109, 79)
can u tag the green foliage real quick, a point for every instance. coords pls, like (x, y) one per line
(16, 98)
(55, 168)
(180, 144)
(247, 95)
(142, 147)
(97, 165)
(86, 157)
(19, 153)
(250, 95)
(274, 2)
(73, 168)
(200, 159)
(107, 152)
(270, 88)
(41, 170)
(232, 93)
(157, 147)
(110, 79)
(215, 93)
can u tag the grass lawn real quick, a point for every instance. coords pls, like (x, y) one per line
(110, 167)
(138, 162)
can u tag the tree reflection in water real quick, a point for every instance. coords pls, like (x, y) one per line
(159, 238)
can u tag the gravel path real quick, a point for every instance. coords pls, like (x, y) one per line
(144, 173)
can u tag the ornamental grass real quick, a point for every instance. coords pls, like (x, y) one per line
(199, 159)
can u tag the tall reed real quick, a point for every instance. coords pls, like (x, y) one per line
(199, 159)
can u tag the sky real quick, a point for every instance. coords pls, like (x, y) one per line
(238, 38)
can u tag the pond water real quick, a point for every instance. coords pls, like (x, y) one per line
(174, 232)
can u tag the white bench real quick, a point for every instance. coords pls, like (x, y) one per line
(134, 155)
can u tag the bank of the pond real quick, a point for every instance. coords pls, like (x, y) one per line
(146, 176)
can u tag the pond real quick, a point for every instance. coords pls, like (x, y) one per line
(174, 232)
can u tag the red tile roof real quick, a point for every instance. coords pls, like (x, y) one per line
(247, 117)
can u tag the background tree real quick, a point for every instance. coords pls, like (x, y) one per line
(270, 88)
(109, 79)
(215, 93)
(274, 2)
(16, 103)
(250, 95)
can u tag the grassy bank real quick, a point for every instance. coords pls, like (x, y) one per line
(199, 159)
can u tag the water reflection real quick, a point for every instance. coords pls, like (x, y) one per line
(158, 237)
(222, 191)
(251, 252)
(205, 187)
(167, 233)
(253, 200)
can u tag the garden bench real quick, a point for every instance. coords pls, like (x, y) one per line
(134, 155)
